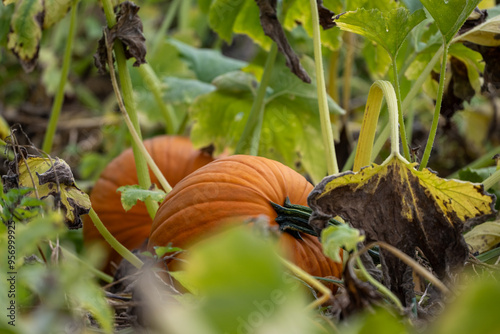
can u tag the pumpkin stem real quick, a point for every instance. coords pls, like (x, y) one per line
(294, 219)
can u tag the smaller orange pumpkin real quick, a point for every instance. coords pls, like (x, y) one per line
(175, 157)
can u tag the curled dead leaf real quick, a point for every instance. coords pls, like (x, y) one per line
(128, 29)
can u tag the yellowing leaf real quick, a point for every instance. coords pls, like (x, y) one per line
(26, 32)
(406, 208)
(484, 237)
(52, 179)
(487, 33)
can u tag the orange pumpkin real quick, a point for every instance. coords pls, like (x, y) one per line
(229, 190)
(175, 157)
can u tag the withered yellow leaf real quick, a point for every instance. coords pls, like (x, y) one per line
(484, 237)
(406, 208)
(52, 178)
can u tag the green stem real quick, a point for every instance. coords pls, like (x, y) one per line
(154, 85)
(184, 15)
(99, 274)
(492, 180)
(135, 136)
(378, 285)
(402, 129)
(128, 98)
(253, 126)
(163, 30)
(111, 240)
(437, 111)
(59, 98)
(324, 113)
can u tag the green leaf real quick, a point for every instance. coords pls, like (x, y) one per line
(291, 130)
(55, 10)
(54, 178)
(377, 59)
(161, 251)
(248, 22)
(333, 238)
(387, 28)
(206, 64)
(486, 34)
(450, 15)
(300, 13)
(5, 17)
(130, 195)
(378, 321)
(26, 32)
(29, 235)
(178, 90)
(483, 237)
(236, 82)
(474, 311)
(239, 277)
(472, 60)
(222, 15)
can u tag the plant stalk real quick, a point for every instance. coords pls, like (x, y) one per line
(111, 240)
(48, 140)
(326, 293)
(128, 98)
(492, 180)
(402, 129)
(437, 111)
(324, 113)
(382, 288)
(135, 136)
(255, 119)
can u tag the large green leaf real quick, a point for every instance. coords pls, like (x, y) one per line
(291, 130)
(450, 15)
(386, 28)
(239, 278)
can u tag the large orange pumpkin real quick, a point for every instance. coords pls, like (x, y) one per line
(175, 157)
(234, 188)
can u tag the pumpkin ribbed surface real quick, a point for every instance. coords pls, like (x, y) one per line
(175, 157)
(229, 189)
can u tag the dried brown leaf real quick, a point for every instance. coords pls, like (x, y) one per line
(128, 29)
(272, 28)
